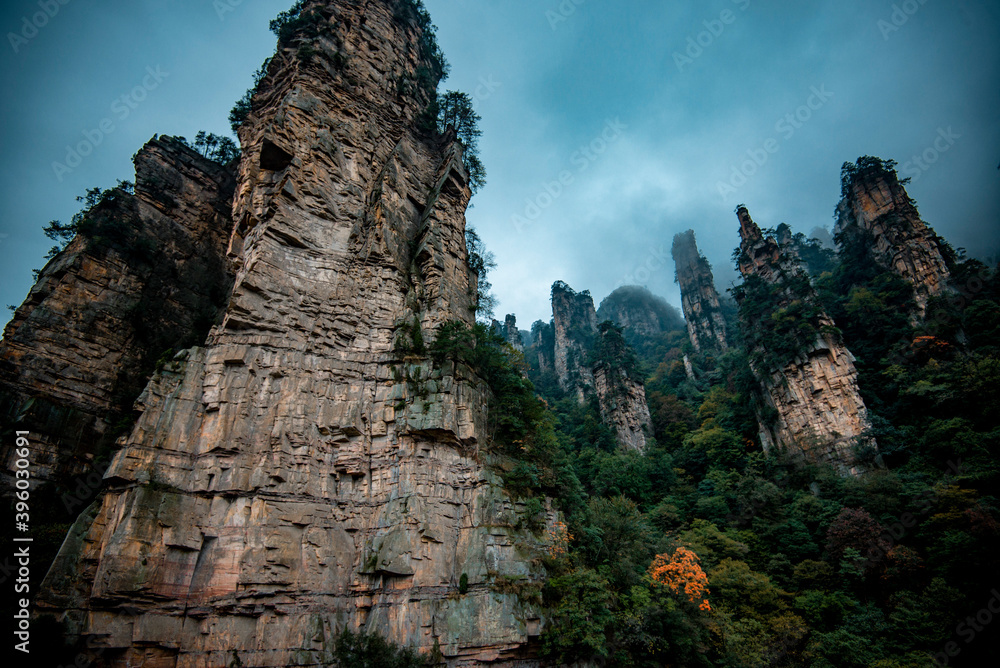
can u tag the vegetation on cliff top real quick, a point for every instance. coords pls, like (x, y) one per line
(801, 566)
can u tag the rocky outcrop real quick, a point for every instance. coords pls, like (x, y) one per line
(512, 333)
(509, 332)
(575, 323)
(641, 313)
(146, 273)
(542, 352)
(811, 404)
(875, 202)
(619, 388)
(706, 324)
(309, 469)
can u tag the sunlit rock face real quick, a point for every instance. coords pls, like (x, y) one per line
(308, 469)
(699, 299)
(813, 408)
(875, 202)
(149, 274)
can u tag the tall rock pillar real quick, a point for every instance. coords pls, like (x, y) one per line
(700, 300)
(146, 273)
(875, 202)
(619, 388)
(310, 468)
(812, 406)
(575, 322)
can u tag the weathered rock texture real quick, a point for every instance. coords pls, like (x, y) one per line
(542, 350)
(699, 299)
(816, 409)
(623, 406)
(620, 391)
(512, 333)
(149, 274)
(509, 332)
(876, 202)
(575, 322)
(308, 470)
(641, 313)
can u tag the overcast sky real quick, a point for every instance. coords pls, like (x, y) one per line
(608, 126)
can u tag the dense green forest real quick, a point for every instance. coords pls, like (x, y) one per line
(704, 550)
(707, 551)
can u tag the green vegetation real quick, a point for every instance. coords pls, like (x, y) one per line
(241, 110)
(803, 567)
(455, 111)
(481, 261)
(784, 319)
(362, 650)
(216, 148)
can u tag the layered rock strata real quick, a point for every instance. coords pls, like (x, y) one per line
(147, 273)
(575, 321)
(816, 411)
(512, 333)
(309, 469)
(706, 324)
(875, 202)
(620, 392)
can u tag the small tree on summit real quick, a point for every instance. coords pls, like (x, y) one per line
(455, 110)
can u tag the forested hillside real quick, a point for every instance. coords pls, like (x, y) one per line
(706, 550)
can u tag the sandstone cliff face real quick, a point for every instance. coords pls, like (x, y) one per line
(575, 322)
(876, 202)
(621, 395)
(623, 406)
(150, 275)
(542, 350)
(816, 410)
(509, 332)
(308, 470)
(699, 299)
(512, 333)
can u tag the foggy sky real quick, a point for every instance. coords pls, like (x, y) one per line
(608, 127)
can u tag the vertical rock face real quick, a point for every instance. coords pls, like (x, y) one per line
(309, 469)
(639, 311)
(543, 346)
(511, 333)
(620, 391)
(575, 322)
(812, 405)
(147, 273)
(700, 300)
(875, 202)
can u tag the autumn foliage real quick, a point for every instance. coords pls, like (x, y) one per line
(682, 573)
(559, 538)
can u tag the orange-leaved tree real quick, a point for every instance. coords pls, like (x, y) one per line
(682, 573)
